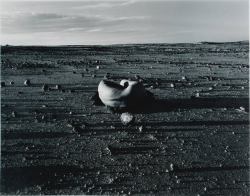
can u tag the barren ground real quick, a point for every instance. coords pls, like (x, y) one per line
(193, 141)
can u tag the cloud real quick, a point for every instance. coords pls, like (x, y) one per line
(105, 4)
(51, 22)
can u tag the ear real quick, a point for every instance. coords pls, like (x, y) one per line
(125, 84)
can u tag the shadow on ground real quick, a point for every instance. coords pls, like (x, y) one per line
(167, 105)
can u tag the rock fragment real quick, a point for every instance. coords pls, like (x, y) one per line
(27, 82)
(2, 84)
(13, 114)
(171, 167)
(45, 87)
(140, 128)
(127, 118)
(58, 87)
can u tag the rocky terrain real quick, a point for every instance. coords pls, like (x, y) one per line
(193, 140)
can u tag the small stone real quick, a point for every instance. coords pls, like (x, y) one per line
(197, 94)
(183, 78)
(27, 82)
(107, 76)
(242, 108)
(140, 128)
(70, 112)
(45, 87)
(210, 88)
(2, 84)
(242, 87)
(58, 87)
(11, 82)
(93, 76)
(137, 77)
(97, 67)
(171, 167)
(69, 125)
(172, 85)
(127, 118)
(13, 114)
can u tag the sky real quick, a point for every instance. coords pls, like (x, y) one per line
(84, 22)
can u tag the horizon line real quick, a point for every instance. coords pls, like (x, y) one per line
(148, 43)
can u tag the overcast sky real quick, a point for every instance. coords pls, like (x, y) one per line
(122, 21)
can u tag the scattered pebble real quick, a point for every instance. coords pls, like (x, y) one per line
(83, 126)
(27, 82)
(69, 125)
(93, 76)
(13, 114)
(137, 77)
(242, 108)
(58, 87)
(107, 76)
(45, 87)
(171, 167)
(2, 84)
(127, 118)
(140, 128)
(197, 94)
(11, 82)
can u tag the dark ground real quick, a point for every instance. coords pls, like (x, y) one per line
(57, 142)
